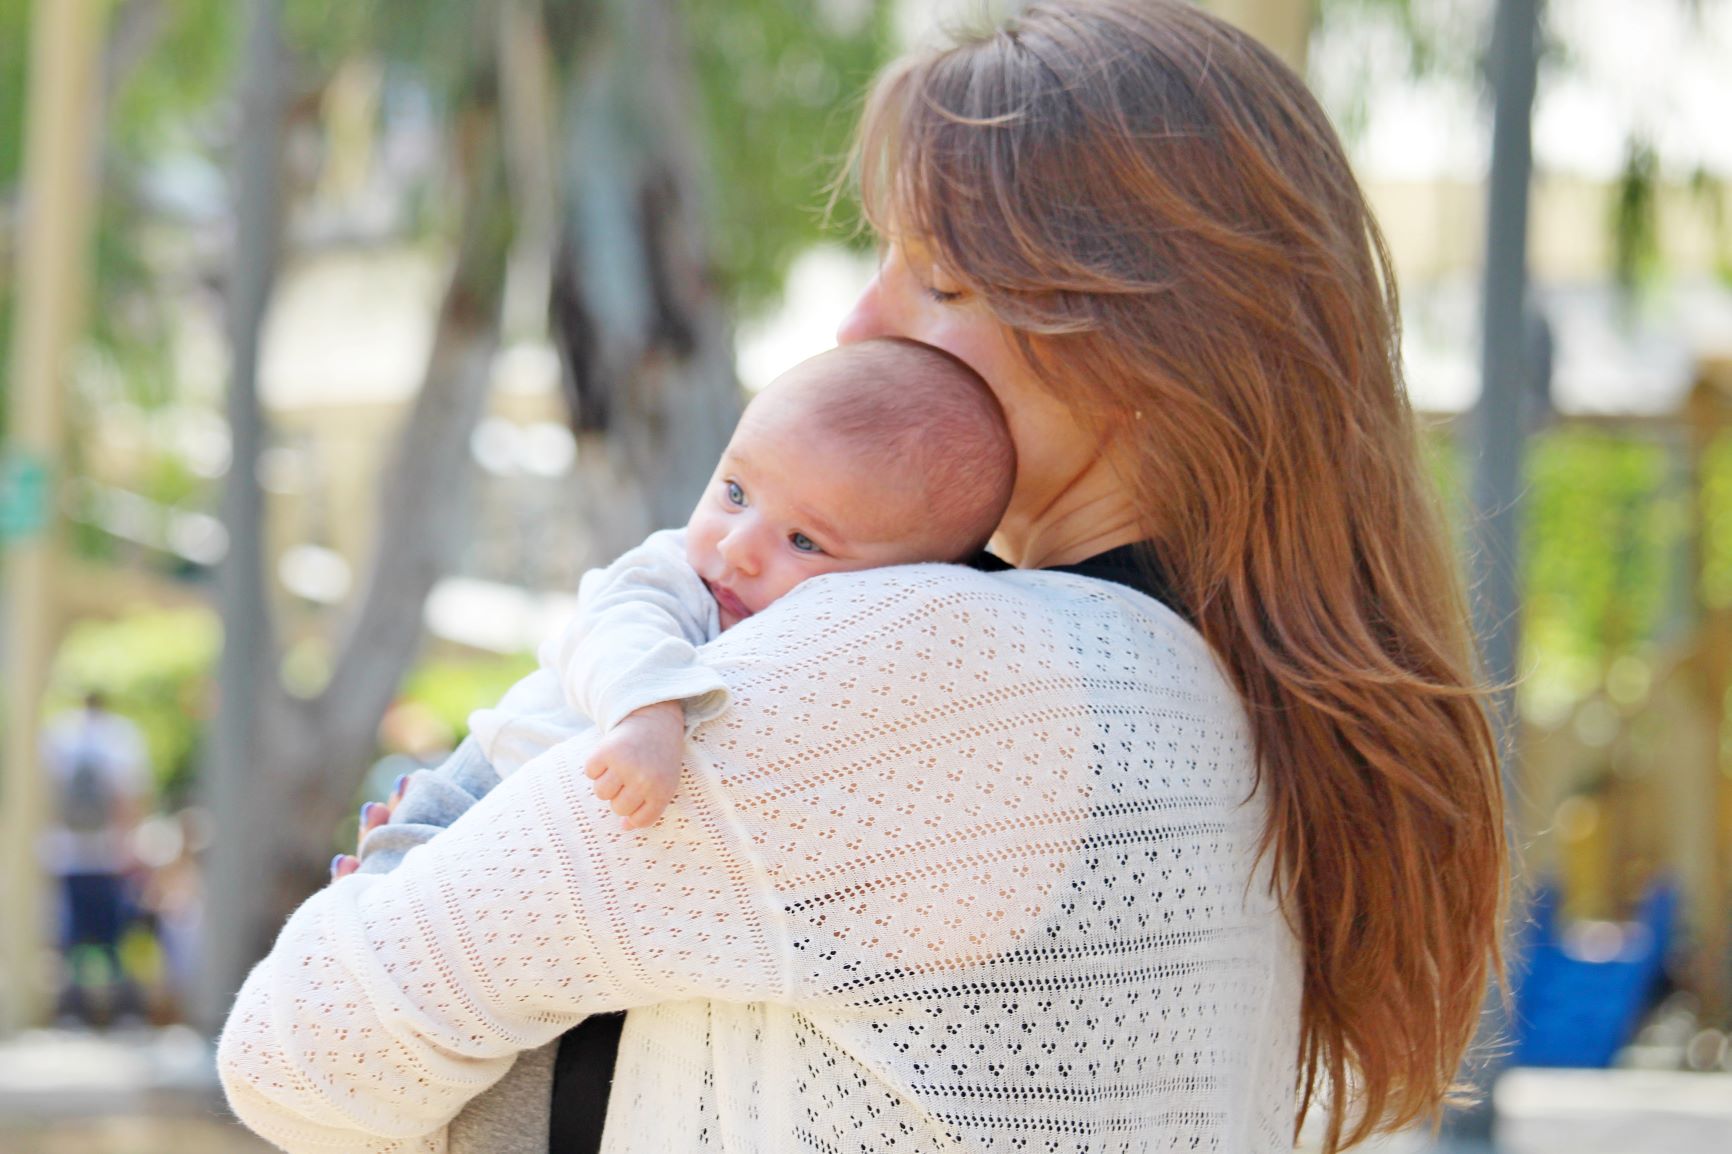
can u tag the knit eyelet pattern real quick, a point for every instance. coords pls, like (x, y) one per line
(970, 864)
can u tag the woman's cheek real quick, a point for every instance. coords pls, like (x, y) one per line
(977, 343)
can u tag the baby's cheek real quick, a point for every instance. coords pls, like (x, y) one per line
(778, 585)
(699, 546)
(783, 582)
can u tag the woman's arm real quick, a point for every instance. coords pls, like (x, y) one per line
(391, 1000)
(894, 791)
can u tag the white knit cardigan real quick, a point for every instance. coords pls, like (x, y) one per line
(970, 864)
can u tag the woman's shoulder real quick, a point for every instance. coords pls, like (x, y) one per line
(930, 622)
(962, 732)
(893, 598)
(936, 587)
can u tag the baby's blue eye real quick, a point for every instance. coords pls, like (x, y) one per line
(803, 543)
(736, 494)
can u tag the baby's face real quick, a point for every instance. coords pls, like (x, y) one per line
(788, 502)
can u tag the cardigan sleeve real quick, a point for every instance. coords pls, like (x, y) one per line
(861, 701)
(389, 1000)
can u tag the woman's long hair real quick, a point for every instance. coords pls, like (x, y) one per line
(1159, 210)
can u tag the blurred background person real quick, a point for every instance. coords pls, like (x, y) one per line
(171, 900)
(100, 784)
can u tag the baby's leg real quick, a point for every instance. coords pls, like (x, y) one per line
(433, 800)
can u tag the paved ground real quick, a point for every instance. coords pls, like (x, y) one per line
(144, 1134)
(153, 1092)
(127, 1092)
(1616, 1111)
(1598, 1112)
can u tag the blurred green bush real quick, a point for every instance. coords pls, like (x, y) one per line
(449, 688)
(155, 667)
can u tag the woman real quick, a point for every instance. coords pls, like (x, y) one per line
(1087, 855)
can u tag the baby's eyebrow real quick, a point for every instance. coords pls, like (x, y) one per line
(823, 527)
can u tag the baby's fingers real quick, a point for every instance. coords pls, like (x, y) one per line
(608, 784)
(596, 765)
(628, 800)
(645, 814)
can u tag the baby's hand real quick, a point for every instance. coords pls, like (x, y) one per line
(636, 766)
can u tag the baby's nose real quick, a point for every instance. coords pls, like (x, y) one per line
(738, 551)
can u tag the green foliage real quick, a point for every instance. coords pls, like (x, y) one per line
(1709, 191)
(129, 324)
(155, 668)
(1430, 44)
(14, 51)
(1635, 216)
(779, 84)
(451, 689)
(1443, 463)
(168, 62)
(1360, 46)
(181, 75)
(1716, 546)
(1606, 522)
(443, 42)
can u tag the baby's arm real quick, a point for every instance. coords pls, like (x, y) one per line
(628, 661)
(633, 640)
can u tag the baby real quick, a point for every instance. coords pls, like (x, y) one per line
(885, 452)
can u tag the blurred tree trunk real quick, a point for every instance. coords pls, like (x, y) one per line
(642, 329)
(648, 353)
(54, 247)
(232, 786)
(284, 769)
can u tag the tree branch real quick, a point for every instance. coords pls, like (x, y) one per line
(429, 480)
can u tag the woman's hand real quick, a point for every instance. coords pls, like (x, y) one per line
(373, 815)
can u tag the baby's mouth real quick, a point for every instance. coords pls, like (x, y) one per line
(727, 599)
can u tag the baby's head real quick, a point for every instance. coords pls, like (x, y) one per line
(884, 452)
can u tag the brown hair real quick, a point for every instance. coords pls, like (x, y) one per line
(922, 416)
(1162, 215)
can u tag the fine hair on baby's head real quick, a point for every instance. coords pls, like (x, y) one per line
(923, 424)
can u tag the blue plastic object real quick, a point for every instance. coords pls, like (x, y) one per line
(1572, 1010)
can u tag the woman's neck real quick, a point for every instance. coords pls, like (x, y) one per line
(1089, 515)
